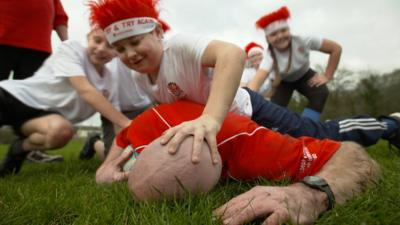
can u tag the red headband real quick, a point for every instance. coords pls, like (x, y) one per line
(105, 12)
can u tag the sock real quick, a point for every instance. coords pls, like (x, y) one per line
(310, 113)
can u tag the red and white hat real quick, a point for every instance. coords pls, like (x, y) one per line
(274, 21)
(253, 47)
(164, 26)
(125, 18)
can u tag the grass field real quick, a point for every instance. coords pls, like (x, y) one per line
(66, 193)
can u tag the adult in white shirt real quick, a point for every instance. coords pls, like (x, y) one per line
(288, 57)
(70, 87)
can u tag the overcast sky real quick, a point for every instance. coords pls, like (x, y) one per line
(368, 30)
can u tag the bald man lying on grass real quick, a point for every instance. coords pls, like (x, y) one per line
(322, 171)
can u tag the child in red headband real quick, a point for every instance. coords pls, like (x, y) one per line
(195, 68)
(288, 58)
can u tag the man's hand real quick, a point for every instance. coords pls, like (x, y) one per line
(318, 80)
(112, 171)
(204, 127)
(296, 203)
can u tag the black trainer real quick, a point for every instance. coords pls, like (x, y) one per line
(88, 151)
(13, 161)
(394, 139)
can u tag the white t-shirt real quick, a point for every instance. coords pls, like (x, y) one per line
(301, 46)
(131, 97)
(181, 75)
(248, 75)
(50, 89)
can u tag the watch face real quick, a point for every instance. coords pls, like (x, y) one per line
(314, 180)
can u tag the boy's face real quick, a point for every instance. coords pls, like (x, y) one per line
(255, 59)
(141, 53)
(98, 49)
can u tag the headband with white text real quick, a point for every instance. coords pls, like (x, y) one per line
(129, 27)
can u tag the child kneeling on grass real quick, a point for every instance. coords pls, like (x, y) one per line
(71, 86)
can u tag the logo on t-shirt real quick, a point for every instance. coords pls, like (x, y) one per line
(175, 90)
(301, 49)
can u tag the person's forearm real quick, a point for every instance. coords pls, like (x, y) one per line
(62, 32)
(227, 74)
(105, 108)
(335, 51)
(333, 62)
(258, 79)
(349, 171)
(114, 152)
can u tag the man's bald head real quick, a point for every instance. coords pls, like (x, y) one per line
(156, 174)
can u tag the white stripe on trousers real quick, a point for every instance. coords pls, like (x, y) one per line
(361, 124)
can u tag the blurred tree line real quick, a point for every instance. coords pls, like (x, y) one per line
(351, 93)
(366, 92)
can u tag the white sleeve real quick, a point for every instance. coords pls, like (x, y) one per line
(67, 60)
(112, 84)
(245, 76)
(267, 62)
(312, 42)
(131, 96)
(190, 46)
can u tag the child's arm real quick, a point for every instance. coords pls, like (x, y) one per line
(92, 96)
(62, 32)
(228, 62)
(334, 50)
(258, 80)
(60, 21)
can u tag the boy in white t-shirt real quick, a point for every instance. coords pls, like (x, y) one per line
(71, 86)
(127, 99)
(288, 57)
(199, 69)
(254, 57)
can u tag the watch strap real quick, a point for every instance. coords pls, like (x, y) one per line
(324, 188)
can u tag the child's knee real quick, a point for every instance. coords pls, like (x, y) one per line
(59, 135)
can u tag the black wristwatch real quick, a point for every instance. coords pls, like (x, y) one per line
(319, 183)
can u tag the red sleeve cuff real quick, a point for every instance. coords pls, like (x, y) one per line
(60, 20)
(122, 138)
